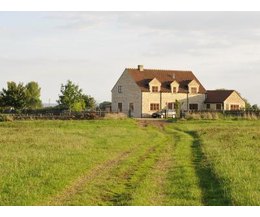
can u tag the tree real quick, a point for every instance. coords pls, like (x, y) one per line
(71, 97)
(89, 101)
(255, 107)
(14, 96)
(104, 105)
(33, 93)
(247, 104)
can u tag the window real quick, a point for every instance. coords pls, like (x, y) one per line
(234, 107)
(193, 107)
(154, 106)
(193, 90)
(174, 89)
(208, 106)
(119, 107)
(155, 89)
(131, 107)
(119, 88)
(170, 105)
(218, 106)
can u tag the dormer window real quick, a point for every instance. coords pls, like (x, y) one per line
(174, 86)
(155, 86)
(194, 90)
(193, 87)
(155, 89)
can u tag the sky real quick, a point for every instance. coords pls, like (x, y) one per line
(93, 48)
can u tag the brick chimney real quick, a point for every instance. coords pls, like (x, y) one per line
(140, 68)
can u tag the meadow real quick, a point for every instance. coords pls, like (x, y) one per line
(127, 162)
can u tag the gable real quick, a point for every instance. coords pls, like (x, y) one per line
(174, 83)
(155, 81)
(193, 83)
(124, 80)
(235, 97)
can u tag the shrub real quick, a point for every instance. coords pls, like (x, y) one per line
(193, 116)
(209, 116)
(215, 116)
(203, 115)
(115, 116)
(4, 118)
(253, 116)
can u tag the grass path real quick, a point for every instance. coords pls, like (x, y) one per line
(174, 172)
(129, 163)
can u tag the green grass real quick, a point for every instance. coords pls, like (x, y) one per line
(119, 162)
(231, 149)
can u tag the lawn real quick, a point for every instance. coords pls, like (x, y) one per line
(123, 162)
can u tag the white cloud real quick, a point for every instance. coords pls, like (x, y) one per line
(222, 48)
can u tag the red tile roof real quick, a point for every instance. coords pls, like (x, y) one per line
(166, 77)
(217, 96)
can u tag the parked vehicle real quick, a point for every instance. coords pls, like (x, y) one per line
(168, 113)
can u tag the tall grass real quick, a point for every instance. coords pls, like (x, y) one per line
(232, 150)
(39, 159)
(119, 162)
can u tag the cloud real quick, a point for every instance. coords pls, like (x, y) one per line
(79, 20)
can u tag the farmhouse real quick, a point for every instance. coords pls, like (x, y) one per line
(140, 92)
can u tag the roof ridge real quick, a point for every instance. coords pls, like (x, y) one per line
(162, 70)
(220, 90)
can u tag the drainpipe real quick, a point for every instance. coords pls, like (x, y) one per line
(187, 100)
(160, 100)
(141, 104)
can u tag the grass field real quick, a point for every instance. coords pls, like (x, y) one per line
(124, 162)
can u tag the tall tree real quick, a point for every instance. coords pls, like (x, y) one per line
(33, 93)
(14, 96)
(89, 101)
(71, 97)
(247, 104)
(255, 107)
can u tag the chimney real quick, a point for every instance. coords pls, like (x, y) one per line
(173, 75)
(140, 68)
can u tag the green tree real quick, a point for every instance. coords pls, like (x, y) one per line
(247, 104)
(104, 105)
(33, 93)
(71, 97)
(89, 101)
(14, 96)
(255, 107)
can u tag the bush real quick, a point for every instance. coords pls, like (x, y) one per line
(215, 116)
(4, 118)
(253, 117)
(115, 116)
(203, 115)
(193, 116)
(209, 116)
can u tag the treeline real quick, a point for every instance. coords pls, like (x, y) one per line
(20, 97)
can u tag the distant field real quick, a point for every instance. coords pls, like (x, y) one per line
(124, 162)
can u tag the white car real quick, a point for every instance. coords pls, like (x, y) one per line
(168, 113)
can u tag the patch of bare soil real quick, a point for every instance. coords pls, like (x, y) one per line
(156, 123)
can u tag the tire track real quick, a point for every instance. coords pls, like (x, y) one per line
(125, 197)
(89, 176)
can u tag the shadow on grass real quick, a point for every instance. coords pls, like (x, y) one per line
(213, 192)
